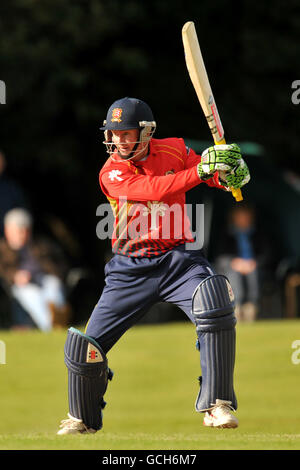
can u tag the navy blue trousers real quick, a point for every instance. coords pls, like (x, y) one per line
(134, 285)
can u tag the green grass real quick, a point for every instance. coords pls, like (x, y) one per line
(150, 401)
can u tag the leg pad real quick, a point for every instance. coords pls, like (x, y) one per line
(88, 375)
(213, 310)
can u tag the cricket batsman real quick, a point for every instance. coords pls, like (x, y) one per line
(145, 180)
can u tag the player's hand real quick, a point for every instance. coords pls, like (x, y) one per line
(236, 177)
(218, 158)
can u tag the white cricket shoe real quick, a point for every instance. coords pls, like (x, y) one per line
(74, 426)
(220, 416)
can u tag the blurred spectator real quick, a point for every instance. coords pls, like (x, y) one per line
(242, 253)
(11, 195)
(32, 272)
(292, 297)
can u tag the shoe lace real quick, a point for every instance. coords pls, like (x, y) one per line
(225, 406)
(71, 423)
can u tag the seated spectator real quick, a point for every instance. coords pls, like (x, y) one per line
(32, 271)
(242, 253)
(11, 195)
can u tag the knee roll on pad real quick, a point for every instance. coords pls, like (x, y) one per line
(213, 310)
(88, 375)
(213, 304)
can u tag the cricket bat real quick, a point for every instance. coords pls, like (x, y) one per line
(199, 78)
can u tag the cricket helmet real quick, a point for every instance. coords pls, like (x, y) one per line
(128, 113)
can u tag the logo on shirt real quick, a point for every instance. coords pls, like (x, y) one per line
(114, 175)
(154, 208)
(116, 115)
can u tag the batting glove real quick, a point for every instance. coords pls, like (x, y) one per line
(236, 177)
(218, 158)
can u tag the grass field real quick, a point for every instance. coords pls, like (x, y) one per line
(150, 402)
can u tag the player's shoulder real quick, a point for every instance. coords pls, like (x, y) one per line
(173, 145)
(114, 165)
(111, 164)
(176, 142)
(106, 165)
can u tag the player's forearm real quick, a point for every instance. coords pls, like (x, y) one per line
(145, 187)
(193, 159)
(214, 182)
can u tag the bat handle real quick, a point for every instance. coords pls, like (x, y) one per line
(237, 193)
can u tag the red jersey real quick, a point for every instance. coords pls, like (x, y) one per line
(148, 197)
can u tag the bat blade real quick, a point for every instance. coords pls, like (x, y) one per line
(199, 78)
(200, 81)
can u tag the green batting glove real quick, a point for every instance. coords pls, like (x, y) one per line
(236, 177)
(219, 157)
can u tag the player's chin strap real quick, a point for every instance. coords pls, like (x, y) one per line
(146, 133)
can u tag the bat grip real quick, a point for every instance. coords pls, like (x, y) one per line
(237, 193)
